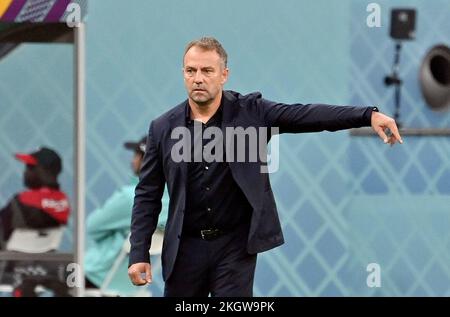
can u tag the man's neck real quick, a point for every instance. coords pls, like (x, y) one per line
(204, 112)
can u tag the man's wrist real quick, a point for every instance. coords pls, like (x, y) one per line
(368, 114)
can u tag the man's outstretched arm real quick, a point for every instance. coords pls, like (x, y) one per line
(298, 118)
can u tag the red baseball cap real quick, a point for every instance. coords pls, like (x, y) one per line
(26, 158)
(44, 157)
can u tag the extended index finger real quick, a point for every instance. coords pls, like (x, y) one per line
(381, 133)
(394, 130)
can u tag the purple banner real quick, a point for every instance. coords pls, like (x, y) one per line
(41, 10)
(13, 10)
(57, 11)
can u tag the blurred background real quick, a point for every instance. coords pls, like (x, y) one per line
(345, 200)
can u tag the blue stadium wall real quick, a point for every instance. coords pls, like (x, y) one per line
(344, 201)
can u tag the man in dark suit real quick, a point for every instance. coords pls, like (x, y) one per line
(222, 211)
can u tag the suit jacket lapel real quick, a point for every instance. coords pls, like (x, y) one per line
(178, 119)
(228, 118)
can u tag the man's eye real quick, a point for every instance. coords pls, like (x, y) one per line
(208, 72)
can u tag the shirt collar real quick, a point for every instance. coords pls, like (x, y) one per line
(216, 116)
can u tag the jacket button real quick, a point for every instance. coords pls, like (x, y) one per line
(179, 236)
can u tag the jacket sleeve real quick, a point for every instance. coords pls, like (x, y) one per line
(147, 201)
(114, 216)
(296, 118)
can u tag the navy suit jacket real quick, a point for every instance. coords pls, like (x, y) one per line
(158, 167)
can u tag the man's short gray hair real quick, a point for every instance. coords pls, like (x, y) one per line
(208, 44)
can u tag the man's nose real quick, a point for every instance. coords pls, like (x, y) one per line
(198, 77)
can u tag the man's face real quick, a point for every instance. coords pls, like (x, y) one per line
(137, 162)
(204, 75)
(31, 177)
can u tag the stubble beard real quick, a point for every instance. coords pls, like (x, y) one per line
(201, 100)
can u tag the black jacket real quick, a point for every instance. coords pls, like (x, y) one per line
(238, 111)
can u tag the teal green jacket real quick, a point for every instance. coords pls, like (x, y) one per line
(107, 228)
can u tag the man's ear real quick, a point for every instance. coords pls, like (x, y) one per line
(225, 73)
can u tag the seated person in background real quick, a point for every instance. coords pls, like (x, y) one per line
(42, 205)
(109, 226)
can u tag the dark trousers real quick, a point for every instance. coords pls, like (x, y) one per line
(220, 267)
